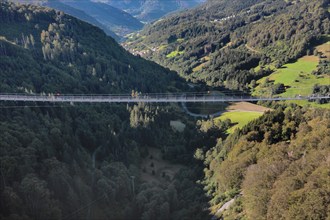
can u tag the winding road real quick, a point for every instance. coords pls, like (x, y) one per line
(187, 111)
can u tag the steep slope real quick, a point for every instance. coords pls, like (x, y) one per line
(80, 14)
(61, 45)
(104, 16)
(119, 21)
(58, 5)
(61, 161)
(149, 10)
(277, 167)
(221, 42)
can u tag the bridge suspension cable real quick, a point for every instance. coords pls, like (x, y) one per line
(150, 98)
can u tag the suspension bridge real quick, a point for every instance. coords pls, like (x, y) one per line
(149, 98)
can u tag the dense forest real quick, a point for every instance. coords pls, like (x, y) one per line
(113, 21)
(77, 161)
(65, 52)
(277, 167)
(102, 161)
(71, 11)
(221, 42)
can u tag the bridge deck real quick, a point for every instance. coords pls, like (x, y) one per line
(146, 98)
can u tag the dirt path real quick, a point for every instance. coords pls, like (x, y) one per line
(227, 45)
(251, 49)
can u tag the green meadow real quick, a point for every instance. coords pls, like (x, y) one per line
(297, 78)
(174, 54)
(239, 118)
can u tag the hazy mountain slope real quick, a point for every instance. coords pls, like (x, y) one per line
(149, 10)
(81, 49)
(80, 14)
(104, 16)
(115, 19)
(221, 42)
(59, 5)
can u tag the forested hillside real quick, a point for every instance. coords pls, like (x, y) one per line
(77, 161)
(71, 11)
(154, 162)
(50, 51)
(277, 167)
(117, 20)
(222, 42)
(113, 21)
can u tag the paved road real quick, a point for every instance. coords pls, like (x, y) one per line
(187, 111)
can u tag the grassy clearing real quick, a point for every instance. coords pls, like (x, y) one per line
(199, 67)
(156, 169)
(297, 76)
(162, 47)
(239, 118)
(174, 54)
(178, 126)
(205, 60)
(290, 72)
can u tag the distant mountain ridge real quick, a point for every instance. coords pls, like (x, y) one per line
(150, 10)
(81, 15)
(113, 18)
